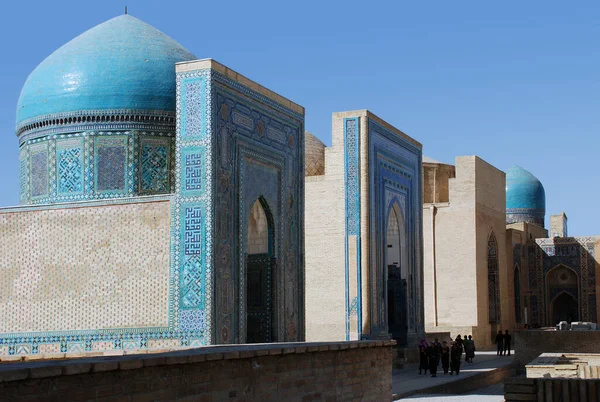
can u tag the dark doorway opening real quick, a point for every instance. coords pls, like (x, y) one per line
(260, 267)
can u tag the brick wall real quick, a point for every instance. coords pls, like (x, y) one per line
(342, 371)
(529, 344)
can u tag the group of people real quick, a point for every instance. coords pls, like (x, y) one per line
(503, 343)
(433, 353)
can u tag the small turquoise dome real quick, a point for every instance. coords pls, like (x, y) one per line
(525, 197)
(121, 64)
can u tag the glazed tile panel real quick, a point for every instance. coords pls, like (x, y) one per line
(85, 268)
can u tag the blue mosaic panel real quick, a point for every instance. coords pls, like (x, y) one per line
(192, 242)
(193, 171)
(69, 170)
(193, 99)
(352, 178)
(193, 320)
(192, 283)
(23, 177)
(39, 174)
(111, 164)
(155, 167)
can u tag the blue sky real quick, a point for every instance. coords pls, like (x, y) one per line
(514, 82)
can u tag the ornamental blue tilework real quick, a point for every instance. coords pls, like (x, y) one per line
(259, 155)
(140, 165)
(111, 167)
(353, 210)
(192, 102)
(69, 170)
(155, 172)
(39, 172)
(395, 179)
(193, 172)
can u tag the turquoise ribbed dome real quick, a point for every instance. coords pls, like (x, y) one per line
(525, 197)
(122, 63)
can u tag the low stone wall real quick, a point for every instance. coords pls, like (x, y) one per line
(341, 371)
(551, 389)
(529, 344)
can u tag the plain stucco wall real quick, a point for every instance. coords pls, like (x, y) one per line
(462, 227)
(325, 252)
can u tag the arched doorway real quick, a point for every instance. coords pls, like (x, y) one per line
(563, 294)
(259, 275)
(396, 275)
(564, 308)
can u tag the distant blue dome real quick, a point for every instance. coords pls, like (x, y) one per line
(525, 197)
(121, 64)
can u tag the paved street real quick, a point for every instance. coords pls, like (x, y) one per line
(407, 380)
(494, 393)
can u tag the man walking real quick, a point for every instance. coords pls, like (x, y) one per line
(507, 339)
(499, 343)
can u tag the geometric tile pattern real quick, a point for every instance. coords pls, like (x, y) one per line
(191, 246)
(155, 167)
(122, 172)
(352, 185)
(106, 282)
(111, 165)
(394, 175)
(258, 147)
(195, 98)
(39, 172)
(69, 170)
(193, 172)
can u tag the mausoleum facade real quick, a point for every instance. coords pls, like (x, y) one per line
(162, 202)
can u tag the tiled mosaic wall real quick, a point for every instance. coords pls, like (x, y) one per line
(577, 254)
(255, 145)
(95, 165)
(395, 178)
(70, 276)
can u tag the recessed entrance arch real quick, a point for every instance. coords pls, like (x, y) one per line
(563, 294)
(564, 308)
(260, 264)
(396, 274)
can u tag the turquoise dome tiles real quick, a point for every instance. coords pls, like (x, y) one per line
(96, 119)
(525, 197)
(122, 68)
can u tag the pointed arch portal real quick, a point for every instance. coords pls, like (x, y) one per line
(396, 275)
(259, 275)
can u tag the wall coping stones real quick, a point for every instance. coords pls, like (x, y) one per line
(59, 364)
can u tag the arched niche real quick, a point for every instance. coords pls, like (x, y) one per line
(260, 263)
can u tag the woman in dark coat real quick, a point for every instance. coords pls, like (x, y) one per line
(423, 362)
(469, 350)
(455, 354)
(433, 356)
(445, 357)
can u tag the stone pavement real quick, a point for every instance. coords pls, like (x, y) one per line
(493, 393)
(406, 382)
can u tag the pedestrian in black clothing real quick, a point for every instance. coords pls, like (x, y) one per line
(499, 343)
(455, 354)
(459, 341)
(439, 350)
(423, 363)
(445, 357)
(433, 356)
(507, 339)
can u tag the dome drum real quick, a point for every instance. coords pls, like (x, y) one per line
(96, 118)
(96, 165)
